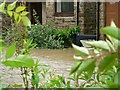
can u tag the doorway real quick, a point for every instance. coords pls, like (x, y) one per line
(37, 7)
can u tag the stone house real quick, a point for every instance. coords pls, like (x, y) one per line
(91, 16)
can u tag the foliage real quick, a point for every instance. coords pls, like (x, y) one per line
(18, 20)
(17, 54)
(46, 36)
(99, 66)
(18, 13)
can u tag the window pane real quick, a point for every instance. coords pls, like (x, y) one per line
(58, 5)
(65, 6)
(71, 7)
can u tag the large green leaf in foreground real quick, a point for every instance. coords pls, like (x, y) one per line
(20, 61)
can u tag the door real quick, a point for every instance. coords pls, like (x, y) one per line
(113, 13)
(37, 7)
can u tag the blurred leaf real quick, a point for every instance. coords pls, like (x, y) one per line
(116, 78)
(111, 31)
(107, 62)
(17, 86)
(99, 44)
(75, 67)
(11, 6)
(35, 80)
(10, 50)
(86, 66)
(20, 61)
(77, 57)
(81, 50)
(2, 45)
(115, 42)
(20, 8)
(26, 21)
(10, 13)
(24, 13)
(2, 6)
(16, 16)
(110, 45)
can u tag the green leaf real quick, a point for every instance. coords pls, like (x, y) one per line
(11, 6)
(2, 6)
(77, 57)
(16, 16)
(26, 21)
(86, 65)
(75, 67)
(35, 80)
(20, 61)
(115, 42)
(13, 63)
(2, 45)
(10, 50)
(20, 8)
(19, 19)
(81, 50)
(99, 44)
(116, 79)
(111, 31)
(110, 45)
(24, 13)
(28, 43)
(10, 13)
(106, 62)
(26, 59)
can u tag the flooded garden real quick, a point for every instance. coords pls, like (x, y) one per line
(59, 60)
(44, 56)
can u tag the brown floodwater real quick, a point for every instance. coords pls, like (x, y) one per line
(60, 60)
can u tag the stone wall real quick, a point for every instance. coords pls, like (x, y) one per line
(89, 18)
(102, 14)
(57, 20)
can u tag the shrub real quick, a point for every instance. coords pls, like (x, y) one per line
(46, 36)
(99, 66)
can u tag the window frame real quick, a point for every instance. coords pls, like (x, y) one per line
(63, 14)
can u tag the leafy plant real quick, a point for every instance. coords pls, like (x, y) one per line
(98, 66)
(46, 36)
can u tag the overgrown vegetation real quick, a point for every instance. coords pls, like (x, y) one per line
(46, 36)
(99, 67)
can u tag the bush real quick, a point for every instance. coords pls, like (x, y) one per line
(46, 36)
(99, 66)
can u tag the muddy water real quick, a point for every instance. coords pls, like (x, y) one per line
(60, 60)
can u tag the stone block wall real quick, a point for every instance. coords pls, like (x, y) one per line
(102, 14)
(60, 21)
(89, 18)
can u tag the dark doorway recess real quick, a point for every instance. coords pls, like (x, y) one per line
(37, 6)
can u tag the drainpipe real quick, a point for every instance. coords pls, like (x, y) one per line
(98, 23)
(77, 12)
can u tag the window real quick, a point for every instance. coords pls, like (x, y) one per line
(63, 8)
